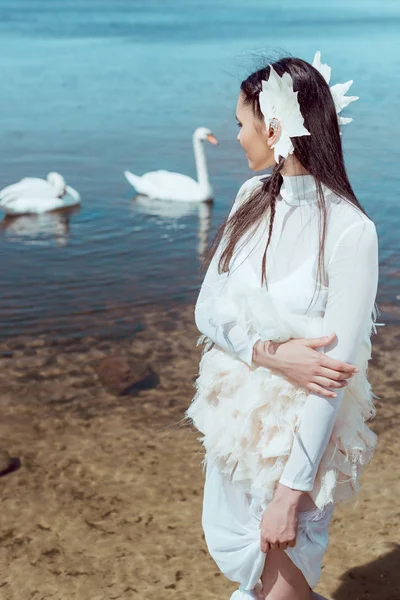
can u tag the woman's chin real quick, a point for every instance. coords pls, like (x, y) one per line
(253, 166)
(251, 163)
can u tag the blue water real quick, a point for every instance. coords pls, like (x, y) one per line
(90, 88)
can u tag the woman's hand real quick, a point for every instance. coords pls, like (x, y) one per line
(299, 362)
(279, 523)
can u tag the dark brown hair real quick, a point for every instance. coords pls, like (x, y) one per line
(320, 153)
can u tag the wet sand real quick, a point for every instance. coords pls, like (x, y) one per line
(104, 501)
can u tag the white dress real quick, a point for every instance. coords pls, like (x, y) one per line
(257, 427)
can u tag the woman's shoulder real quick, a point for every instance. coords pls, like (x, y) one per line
(350, 227)
(347, 215)
(247, 187)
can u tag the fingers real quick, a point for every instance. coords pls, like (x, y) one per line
(338, 365)
(329, 383)
(320, 341)
(266, 546)
(331, 363)
(281, 545)
(326, 361)
(333, 376)
(317, 389)
(275, 546)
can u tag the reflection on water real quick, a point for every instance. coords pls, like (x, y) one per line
(39, 229)
(171, 212)
(205, 211)
(163, 208)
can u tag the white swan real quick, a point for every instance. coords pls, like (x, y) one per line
(164, 185)
(35, 195)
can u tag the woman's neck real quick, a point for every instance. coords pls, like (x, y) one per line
(293, 167)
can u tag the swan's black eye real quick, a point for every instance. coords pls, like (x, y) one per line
(239, 124)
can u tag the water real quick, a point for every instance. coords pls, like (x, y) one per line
(92, 88)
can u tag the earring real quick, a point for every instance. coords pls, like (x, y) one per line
(274, 124)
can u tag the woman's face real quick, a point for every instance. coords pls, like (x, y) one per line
(254, 137)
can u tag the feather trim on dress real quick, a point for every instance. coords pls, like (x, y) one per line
(249, 416)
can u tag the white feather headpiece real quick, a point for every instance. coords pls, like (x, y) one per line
(279, 103)
(338, 90)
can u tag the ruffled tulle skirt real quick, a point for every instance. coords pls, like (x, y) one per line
(248, 419)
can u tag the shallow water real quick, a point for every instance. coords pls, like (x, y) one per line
(92, 88)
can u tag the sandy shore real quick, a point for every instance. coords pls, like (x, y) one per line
(106, 501)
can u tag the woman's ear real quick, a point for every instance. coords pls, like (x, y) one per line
(272, 134)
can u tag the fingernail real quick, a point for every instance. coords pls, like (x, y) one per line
(334, 395)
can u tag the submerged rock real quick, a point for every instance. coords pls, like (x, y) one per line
(8, 463)
(121, 375)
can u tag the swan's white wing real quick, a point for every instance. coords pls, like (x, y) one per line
(165, 185)
(37, 187)
(32, 204)
(141, 185)
(32, 181)
(28, 186)
(8, 191)
(172, 182)
(11, 191)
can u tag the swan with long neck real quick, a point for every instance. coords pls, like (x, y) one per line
(166, 185)
(35, 195)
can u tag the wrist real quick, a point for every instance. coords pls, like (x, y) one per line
(264, 354)
(288, 494)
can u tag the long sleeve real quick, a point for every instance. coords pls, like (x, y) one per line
(229, 336)
(353, 280)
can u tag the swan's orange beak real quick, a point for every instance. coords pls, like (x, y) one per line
(212, 139)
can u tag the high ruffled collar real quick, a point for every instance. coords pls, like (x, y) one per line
(298, 189)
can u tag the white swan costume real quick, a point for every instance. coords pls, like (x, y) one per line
(257, 428)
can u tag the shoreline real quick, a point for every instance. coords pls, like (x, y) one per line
(123, 322)
(106, 503)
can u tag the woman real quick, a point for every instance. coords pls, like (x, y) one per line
(286, 310)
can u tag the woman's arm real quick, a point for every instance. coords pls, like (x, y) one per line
(229, 336)
(301, 363)
(353, 282)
